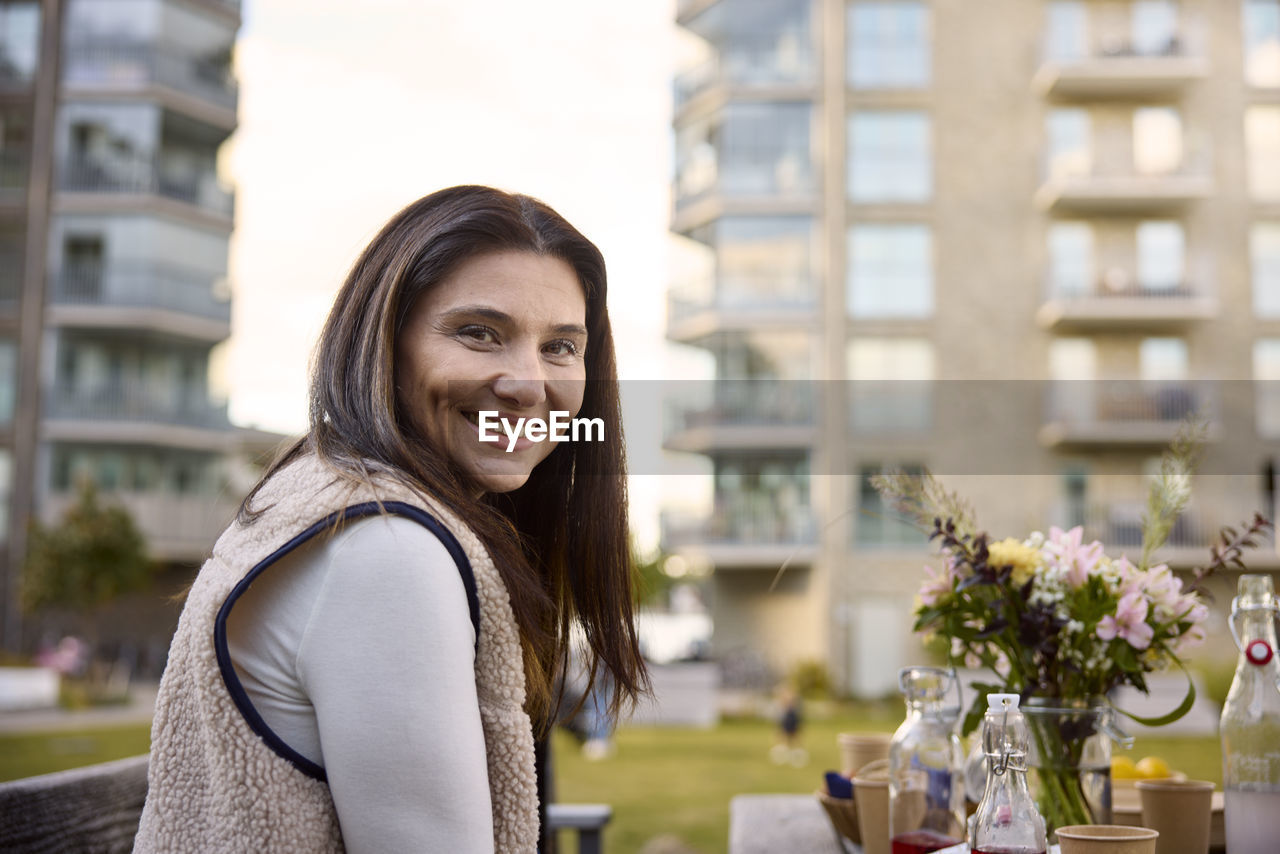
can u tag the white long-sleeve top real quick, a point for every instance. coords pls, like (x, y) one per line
(358, 651)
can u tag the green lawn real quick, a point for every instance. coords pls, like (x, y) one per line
(44, 753)
(661, 781)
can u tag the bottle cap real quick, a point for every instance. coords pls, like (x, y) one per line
(1002, 701)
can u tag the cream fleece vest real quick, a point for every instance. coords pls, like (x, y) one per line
(220, 780)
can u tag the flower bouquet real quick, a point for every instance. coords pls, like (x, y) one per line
(1062, 623)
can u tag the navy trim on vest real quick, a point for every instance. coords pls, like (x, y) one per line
(371, 508)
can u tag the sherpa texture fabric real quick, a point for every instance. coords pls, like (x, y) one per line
(215, 785)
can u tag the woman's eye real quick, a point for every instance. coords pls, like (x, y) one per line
(562, 347)
(481, 334)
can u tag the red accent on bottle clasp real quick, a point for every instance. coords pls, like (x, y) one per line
(1258, 652)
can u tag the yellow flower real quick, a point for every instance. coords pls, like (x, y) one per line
(1024, 559)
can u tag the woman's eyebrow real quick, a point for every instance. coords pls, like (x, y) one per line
(482, 311)
(570, 329)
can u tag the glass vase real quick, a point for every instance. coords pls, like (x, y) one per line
(1069, 763)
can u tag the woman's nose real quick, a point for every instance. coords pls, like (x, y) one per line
(523, 380)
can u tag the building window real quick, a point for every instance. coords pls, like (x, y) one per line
(878, 524)
(1262, 151)
(1266, 379)
(1070, 142)
(1161, 255)
(890, 271)
(1264, 259)
(890, 156)
(1163, 360)
(765, 149)
(764, 261)
(1071, 259)
(766, 42)
(1262, 42)
(1066, 31)
(1155, 27)
(762, 499)
(1157, 141)
(891, 388)
(889, 45)
(19, 41)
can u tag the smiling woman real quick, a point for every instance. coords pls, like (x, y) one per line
(367, 657)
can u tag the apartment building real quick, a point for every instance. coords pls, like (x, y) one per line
(1015, 242)
(115, 266)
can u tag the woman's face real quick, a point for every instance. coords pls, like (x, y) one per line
(506, 333)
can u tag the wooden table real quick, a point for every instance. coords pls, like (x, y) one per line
(766, 824)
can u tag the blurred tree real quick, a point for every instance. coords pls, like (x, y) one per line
(652, 583)
(93, 555)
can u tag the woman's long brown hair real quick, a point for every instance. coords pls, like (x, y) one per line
(560, 542)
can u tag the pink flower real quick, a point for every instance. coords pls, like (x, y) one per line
(1080, 561)
(937, 585)
(1129, 623)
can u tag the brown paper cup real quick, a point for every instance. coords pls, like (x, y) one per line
(871, 794)
(861, 748)
(1180, 810)
(1106, 839)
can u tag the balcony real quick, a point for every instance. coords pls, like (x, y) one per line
(749, 531)
(772, 183)
(141, 295)
(137, 412)
(1118, 524)
(744, 414)
(1124, 192)
(697, 309)
(1118, 300)
(138, 180)
(204, 88)
(761, 74)
(1093, 413)
(177, 526)
(1118, 69)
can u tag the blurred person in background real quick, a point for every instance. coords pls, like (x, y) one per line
(368, 656)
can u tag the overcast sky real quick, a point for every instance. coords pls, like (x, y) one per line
(348, 111)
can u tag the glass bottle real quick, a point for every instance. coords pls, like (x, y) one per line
(1251, 723)
(1007, 821)
(926, 761)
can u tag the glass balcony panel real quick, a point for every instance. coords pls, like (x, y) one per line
(85, 173)
(95, 64)
(138, 400)
(143, 285)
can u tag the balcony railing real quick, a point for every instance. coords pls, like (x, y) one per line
(1119, 296)
(750, 403)
(1116, 66)
(1122, 411)
(176, 526)
(1118, 524)
(739, 293)
(1125, 188)
(139, 401)
(746, 520)
(114, 65)
(767, 68)
(84, 174)
(140, 285)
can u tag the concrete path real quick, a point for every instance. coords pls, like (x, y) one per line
(142, 702)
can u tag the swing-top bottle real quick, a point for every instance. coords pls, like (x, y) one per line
(1007, 821)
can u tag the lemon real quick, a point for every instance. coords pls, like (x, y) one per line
(1153, 768)
(1122, 768)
